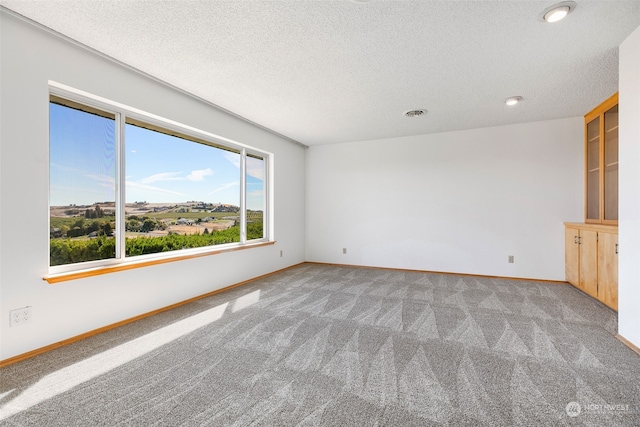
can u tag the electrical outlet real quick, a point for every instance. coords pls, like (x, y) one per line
(344, 251)
(20, 316)
(511, 259)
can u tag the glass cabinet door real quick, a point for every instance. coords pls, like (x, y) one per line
(593, 170)
(611, 164)
(601, 163)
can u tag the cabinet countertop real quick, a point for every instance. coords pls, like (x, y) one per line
(595, 227)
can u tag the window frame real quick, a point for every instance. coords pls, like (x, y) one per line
(122, 113)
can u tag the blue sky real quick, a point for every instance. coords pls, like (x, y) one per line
(159, 168)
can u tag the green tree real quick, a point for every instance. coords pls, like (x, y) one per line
(148, 225)
(133, 225)
(75, 232)
(106, 229)
(94, 226)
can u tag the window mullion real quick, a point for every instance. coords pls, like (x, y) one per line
(120, 186)
(243, 197)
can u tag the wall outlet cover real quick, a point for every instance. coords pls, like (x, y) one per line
(20, 316)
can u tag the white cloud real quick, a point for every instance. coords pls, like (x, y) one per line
(198, 175)
(104, 179)
(133, 184)
(255, 168)
(163, 176)
(233, 158)
(66, 168)
(224, 187)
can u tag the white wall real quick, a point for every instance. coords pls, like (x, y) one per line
(453, 202)
(29, 58)
(629, 223)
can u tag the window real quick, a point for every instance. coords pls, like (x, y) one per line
(124, 184)
(82, 183)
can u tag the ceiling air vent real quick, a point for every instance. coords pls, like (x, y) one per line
(415, 113)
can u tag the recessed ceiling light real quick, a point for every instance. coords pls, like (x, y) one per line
(557, 11)
(415, 113)
(513, 100)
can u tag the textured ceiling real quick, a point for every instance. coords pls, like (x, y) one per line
(324, 72)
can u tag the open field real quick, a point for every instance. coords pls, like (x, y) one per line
(199, 228)
(145, 219)
(191, 215)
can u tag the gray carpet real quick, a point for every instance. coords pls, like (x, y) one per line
(334, 346)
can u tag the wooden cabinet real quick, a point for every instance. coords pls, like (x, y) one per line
(591, 260)
(591, 249)
(601, 163)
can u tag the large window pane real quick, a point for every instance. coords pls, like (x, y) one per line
(255, 173)
(180, 193)
(82, 183)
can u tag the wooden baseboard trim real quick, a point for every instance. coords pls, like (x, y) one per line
(628, 344)
(45, 349)
(556, 282)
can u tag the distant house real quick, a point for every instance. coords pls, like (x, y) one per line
(184, 221)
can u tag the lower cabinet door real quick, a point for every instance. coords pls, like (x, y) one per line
(572, 256)
(608, 269)
(589, 262)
